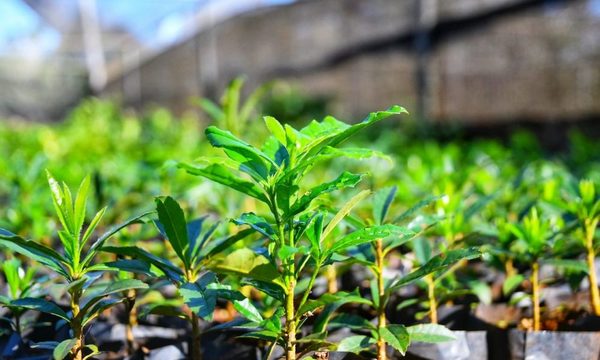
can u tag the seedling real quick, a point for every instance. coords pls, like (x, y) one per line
(198, 287)
(75, 267)
(534, 235)
(584, 204)
(20, 285)
(297, 234)
(397, 335)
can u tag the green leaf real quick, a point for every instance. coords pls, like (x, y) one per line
(170, 270)
(219, 246)
(381, 203)
(437, 263)
(276, 129)
(252, 161)
(42, 306)
(107, 235)
(345, 210)
(413, 210)
(430, 333)
(339, 298)
(221, 175)
(569, 264)
(345, 180)
(355, 344)
(80, 205)
(112, 288)
(511, 283)
(369, 234)
(172, 219)
(397, 336)
(200, 302)
(257, 223)
(266, 335)
(270, 289)
(35, 251)
(353, 322)
(93, 224)
(246, 262)
(63, 349)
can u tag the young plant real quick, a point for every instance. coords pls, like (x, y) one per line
(397, 335)
(75, 266)
(297, 234)
(584, 204)
(198, 287)
(21, 285)
(533, 243)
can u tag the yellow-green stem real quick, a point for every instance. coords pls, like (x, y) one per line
(509, 267)
(381, 319)
(590, 228)
(131, 321)
(77, 350)
(290, 318)
(331, 276)
(433, 315)
(535, 283)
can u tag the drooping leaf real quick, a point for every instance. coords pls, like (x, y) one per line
(42, 306)
(34, 251)
(355, 344)
(430, 333)
(251, 160)
(170, 270)
(112, 288)
(397, 336)
(257, 223)
(200, 301)
(221, 175)
(246, 262)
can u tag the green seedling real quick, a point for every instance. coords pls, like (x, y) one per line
(583, 203)
(198, 287)
(397, 335)
(21, 285)
(297, 234)
(75, 266)
(534, 235)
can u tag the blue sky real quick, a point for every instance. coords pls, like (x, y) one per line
(153, 22)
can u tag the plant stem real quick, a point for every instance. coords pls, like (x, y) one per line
(76, 322)
(381, 319)
(290, 318)
(131, 321)
(433, 316)
(590, 227)
(196, 335)
(536, 296)
(509, 267)
(331, 276)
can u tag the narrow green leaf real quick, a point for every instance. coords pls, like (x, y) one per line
(80, 205)
(345, 180)
(381, 203)
(169, 270)
(257, 223)
(437, 263)
(369, 234)
(172, 219)
(345, 210)
(111, 232)
(276, 129)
